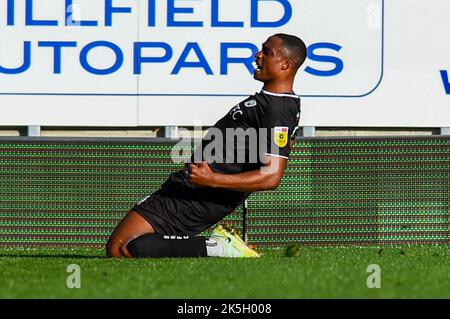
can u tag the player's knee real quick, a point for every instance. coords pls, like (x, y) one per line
(113, 248)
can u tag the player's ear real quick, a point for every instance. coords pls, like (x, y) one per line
(287, 64)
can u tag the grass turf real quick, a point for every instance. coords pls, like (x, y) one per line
(318, 272)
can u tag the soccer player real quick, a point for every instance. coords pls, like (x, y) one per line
(165, 224)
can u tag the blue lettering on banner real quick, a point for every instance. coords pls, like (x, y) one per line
(445, 81)
(69, 17)
(226, 59)
(325, 59)
(10, 13)
(84, 60)
(109, 10)
(255, 23)
(57, 52)
(312, 55)
(151, 13)
(201, 63)
(26, 61)
(191, 57)
(215, 18)
(139, 59)
(30, 20)
(172, 10)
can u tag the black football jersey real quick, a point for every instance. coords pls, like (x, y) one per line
(260, 125)
(231, 147)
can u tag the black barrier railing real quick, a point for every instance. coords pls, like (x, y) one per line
(376, 190)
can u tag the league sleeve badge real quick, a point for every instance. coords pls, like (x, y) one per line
(281, 134)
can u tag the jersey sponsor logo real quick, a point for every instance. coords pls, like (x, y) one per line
(235, 111)
(281, 135)
(250, 103)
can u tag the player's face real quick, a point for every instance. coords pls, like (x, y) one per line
(269, 60)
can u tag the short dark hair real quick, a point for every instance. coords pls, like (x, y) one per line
(294, 48)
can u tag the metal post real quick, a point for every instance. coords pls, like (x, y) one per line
(171, 131)
(34, 130)
(445, 130)
(244, 221)
(309, 131)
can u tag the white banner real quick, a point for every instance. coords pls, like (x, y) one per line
(182, 62)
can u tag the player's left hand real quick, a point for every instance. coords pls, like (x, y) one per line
(201, 174)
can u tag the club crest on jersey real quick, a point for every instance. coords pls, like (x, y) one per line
(250, 103)
(281, 135)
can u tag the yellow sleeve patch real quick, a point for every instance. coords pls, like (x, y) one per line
(281, 134)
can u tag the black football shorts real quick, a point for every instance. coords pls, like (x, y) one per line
(174, 215)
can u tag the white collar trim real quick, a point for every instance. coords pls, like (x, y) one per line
(280, 95)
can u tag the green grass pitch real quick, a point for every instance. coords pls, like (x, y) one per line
(318, 272)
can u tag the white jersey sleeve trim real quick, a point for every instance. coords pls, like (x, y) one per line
(276, 155)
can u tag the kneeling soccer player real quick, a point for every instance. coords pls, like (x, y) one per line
(166, 223)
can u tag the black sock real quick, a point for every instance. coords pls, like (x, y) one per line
(155, 246)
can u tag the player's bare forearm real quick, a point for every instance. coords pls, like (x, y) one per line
(266, 178)
(250, 181)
